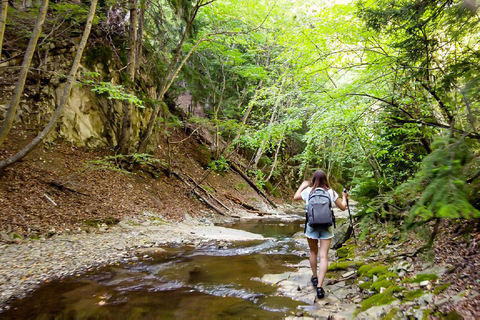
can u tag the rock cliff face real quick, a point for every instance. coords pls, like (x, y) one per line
(89, 119)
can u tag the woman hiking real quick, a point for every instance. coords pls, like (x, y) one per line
(323, 235)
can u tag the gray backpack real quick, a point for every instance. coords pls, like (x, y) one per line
(319, 209)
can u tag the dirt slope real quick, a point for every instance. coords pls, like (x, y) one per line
(61, 188)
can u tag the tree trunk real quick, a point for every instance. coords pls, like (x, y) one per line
(168, 80)
(66, 93)
(3, 23)
(275, 160)
(27, 60)
(141, 23)
(160, 97)
(124, 142)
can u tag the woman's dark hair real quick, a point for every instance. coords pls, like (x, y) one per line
(320, 180)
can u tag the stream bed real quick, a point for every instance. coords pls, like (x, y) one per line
(214, 281)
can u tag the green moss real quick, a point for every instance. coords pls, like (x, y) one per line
(426, 314)
(365, 285)
(453, 315)
(381, 298)
(370, 270)
(387, 275)
(344, 252)
(421, 277)
(412, 295)
(441, 288)
(344, 265)
(380, 284)
(391, 315)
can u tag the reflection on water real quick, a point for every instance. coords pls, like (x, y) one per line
(182, 283)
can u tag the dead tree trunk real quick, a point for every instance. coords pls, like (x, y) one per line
(66, 93)
(208, 203)
(27, 60)
(251, 183)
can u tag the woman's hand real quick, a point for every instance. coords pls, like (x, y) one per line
(298, 194)
(304, 184)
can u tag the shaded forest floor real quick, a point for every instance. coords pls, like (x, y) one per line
(61, 188)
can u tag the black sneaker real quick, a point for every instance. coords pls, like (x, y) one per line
(314, 281)
(320, 293)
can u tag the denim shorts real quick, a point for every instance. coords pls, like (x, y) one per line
(319, 233)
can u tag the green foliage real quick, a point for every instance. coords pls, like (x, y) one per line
(441, 184)
(259, 177)
(343, 252)
(116, 92)
(220, 165)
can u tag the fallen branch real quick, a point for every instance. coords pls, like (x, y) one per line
(49, 199)
(208, 203)
(62, 186)
(210, 195)
(250, 182)
(240, 202)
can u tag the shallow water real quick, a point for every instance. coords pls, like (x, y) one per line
(181, 283)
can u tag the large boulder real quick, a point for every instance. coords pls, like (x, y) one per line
(342, 233)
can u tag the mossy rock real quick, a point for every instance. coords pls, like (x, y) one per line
(387, 275)
(381, 284)
(344, 252)
(365, 285)
(441, 288)
(392, 314)
(370, 270)
(344, 265)
(380, 299)
(412, 295)
(421, 277)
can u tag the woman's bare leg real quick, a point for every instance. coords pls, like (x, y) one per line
(313, 245)
(324, 247)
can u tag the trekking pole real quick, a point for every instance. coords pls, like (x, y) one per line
(351, 220)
